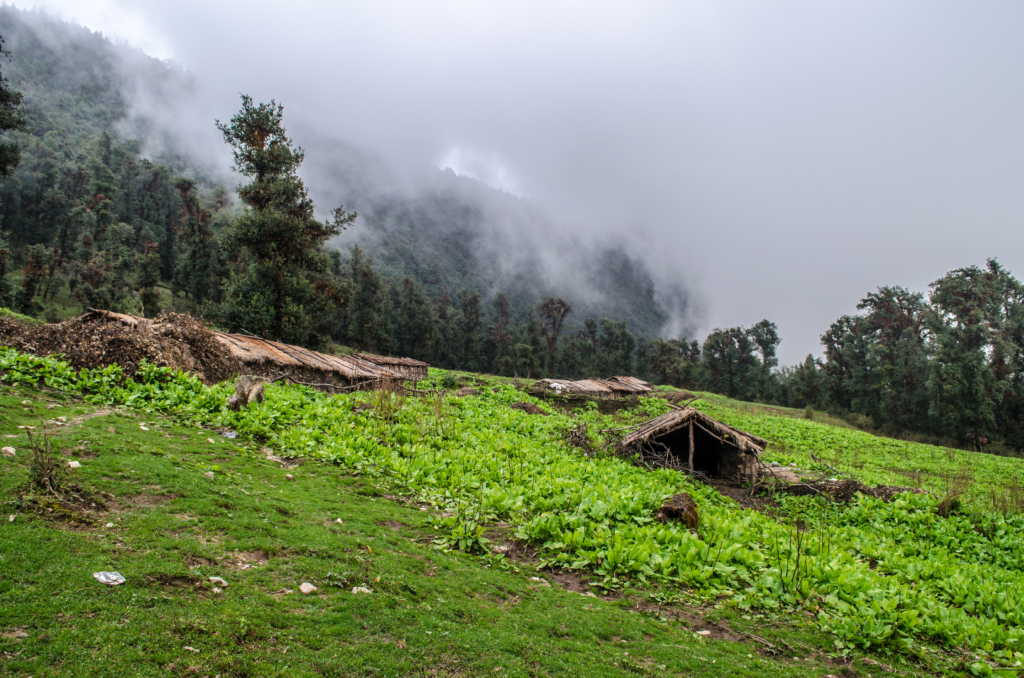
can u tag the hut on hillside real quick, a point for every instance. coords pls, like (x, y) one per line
(610, 388)
(691, 440)
(274, 360)
(413, 370)
(331, 373)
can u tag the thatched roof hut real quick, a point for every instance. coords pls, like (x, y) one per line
(413, 370)
(334, 373)
(689, 439)
(612, 387)
(275, 360)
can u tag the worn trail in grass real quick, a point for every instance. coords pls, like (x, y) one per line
(429, 613)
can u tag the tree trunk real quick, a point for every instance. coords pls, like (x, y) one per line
(691, 447)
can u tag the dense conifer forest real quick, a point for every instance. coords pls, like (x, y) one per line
(89, 220)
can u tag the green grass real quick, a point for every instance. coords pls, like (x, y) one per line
(430, 613)
(924, 592)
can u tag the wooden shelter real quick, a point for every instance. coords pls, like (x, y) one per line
(332, 373)
(274, 360)
(413, 370)
(689, 439)
(611, 388)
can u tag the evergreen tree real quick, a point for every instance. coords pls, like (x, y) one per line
(275, 294)
(12, 118)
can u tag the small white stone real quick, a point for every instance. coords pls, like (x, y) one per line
(143, 427)
(307, 588)
(110, 525)
(704, 633)
(339, 521)
(209, 440)
(209, 474)
(289, 476)
(10, 519)
(219, 582)
(8, 451)
(74, 464)
(361, 589)
(217, 590)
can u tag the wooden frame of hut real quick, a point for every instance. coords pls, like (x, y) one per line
(412, 370)
(610, 388)
(689, 439)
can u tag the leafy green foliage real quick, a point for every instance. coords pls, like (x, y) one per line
(873, 574)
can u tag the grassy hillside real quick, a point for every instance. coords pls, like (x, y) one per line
(455, 504)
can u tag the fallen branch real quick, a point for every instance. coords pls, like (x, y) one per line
(831, 468)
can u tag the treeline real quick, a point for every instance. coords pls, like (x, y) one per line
(949, 364)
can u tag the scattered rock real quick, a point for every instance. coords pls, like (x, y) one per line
(540, 581)
(209, 440)
(339, 521)
(109, 525)
(361, 589)
(74, 464)
(289, 476)
(209, 474)
(307, 588)
(144, 428)
(467, 391)
(217, 589)
(10, 518)
(111, 429)
(8, 451)
(219, 582)
(191, 649)
(704, 633)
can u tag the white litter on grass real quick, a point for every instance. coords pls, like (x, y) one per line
(289, 476)
(143, 427)
(110, 524)
(339, 521)
(361, 589)
(209, 440)
(8, 452)
(540, 581)
(10, 518)
(191, 649)
(209, 474)
(704, 633)
(74, 464)
(219, 582)
(109, 578)
(307, 588)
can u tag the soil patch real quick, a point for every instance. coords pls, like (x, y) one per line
(176, 580)
(467, 391)
(393, 524)
(529, 408)
(151, 499)
(842, 490)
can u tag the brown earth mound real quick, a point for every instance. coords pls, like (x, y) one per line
(172, 340)
(466, 391)
(680, 507)
(529, 408)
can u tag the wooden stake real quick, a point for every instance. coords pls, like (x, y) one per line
(691, 447)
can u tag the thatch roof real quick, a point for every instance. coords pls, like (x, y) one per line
(407, 367)
(676, 419)
(610, 387)
(264, 352)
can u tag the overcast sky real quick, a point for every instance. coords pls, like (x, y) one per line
(783, 158)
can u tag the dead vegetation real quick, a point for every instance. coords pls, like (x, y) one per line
(51, 491)
(529, 408)
(172, 340)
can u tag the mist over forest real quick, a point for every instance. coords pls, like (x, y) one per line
(115, 197)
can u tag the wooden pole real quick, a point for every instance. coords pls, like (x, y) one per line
(691, 447)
